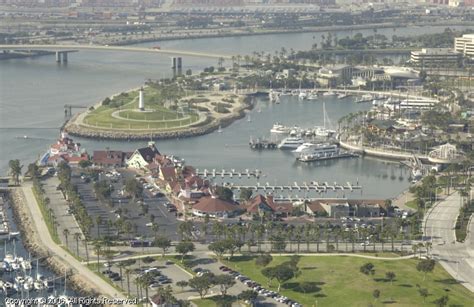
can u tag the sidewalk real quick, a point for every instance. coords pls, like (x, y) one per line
(41, 229)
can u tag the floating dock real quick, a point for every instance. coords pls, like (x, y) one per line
(310, 158)
(260, 144)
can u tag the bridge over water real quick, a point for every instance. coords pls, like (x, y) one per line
(65, 49)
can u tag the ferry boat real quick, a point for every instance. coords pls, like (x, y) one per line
(290, 143)
(306, 148)
(279, 128)
(324, 152)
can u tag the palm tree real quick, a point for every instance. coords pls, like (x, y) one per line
(15, 170)
(98, 222)
(127, 272)
(87, 249)
(66, 236)
(77, 236)
(98, 250)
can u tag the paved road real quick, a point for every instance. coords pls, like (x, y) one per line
(40, 226)
(113, 48)
(456, 258)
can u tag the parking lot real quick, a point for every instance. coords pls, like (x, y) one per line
(164, 272)
(135, 216)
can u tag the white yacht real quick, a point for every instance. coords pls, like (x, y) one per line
(365, 98)
(279, 128)
(305, 148)
(323, 150)
(329, 93)
(342, 95)
(291, 143)
(302, 95)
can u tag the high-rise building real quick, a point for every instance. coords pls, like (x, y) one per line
(465, 45)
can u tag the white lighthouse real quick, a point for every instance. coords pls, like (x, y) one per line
(141, 102)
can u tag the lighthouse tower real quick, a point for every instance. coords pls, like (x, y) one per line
(141, 101)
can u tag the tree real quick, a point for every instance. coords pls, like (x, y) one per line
(376, 294)
(390, 276)
(201, 284)
(269, 273)
(15, 170)
(183, 248)
(182, 284)
(224, 282)
(133, 188)
(33, 170)
(263, 260)
(85, 163)
(98, 250)
(442, 301)
(66, 236)
(425, 266)
(218, 248)
(245, 194)
(368, 269)
(248, 295)
(224, 193)
(283, 273)
(77, 237)
(163, 243)
(423, 293)
(278, 243)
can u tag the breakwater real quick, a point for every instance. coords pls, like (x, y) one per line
(210, 125)
(34, 244)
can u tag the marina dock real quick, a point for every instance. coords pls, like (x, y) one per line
(311, 186)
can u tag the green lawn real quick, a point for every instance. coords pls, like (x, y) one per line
(160, 119)
(411, 204)
(339, 282)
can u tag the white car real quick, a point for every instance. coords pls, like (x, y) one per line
(149, 224)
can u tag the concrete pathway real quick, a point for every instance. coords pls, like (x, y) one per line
(39, 225)
(456, 258)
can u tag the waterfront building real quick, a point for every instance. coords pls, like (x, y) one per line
(436, 57)
(465, 45)
(110, 158)
(215, 207)
(64, 150)
(445, 154)
(142, 157)
(333, 75)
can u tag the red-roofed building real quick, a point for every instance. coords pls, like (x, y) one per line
(110, 158)
(266, 205)
(215, 207)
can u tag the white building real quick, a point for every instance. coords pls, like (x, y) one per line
(143, 156)
(465, 45)
(435, 56)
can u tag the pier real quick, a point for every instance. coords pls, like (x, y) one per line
(305, 187)
(223, 173)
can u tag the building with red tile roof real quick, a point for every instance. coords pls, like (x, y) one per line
(213, 206)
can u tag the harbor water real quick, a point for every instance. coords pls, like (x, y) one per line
(33, 93)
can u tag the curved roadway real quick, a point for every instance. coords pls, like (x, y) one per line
(457, 258)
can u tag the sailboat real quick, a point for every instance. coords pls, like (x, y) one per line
(249, 119)
(324, 131)
(220, 129)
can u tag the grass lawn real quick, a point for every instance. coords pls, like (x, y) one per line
(338, 282)
(162, 118)
(411, 204)
(213, 301)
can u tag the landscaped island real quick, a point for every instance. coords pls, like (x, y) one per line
(164, 109)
